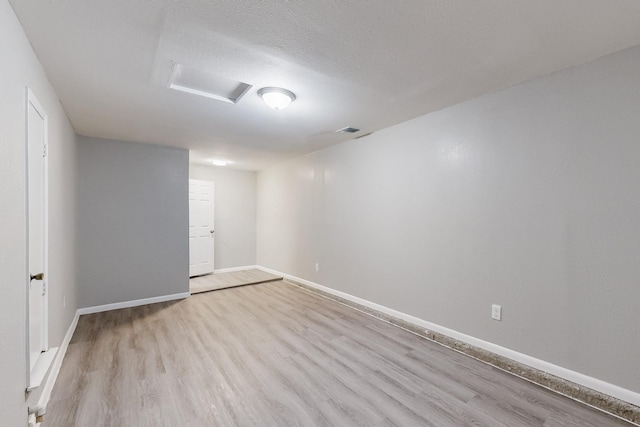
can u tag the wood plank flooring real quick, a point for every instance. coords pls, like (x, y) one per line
(276, 355)
(212, 282)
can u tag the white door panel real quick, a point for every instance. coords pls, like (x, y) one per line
(37, 229)
(201, 221)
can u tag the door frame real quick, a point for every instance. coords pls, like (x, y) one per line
(31, 99)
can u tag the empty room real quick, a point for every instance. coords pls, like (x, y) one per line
(320, 213)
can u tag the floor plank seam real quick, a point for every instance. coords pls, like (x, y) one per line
(232, 279)
(237, 286)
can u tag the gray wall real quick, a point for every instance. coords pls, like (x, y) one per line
(132, 221)
(235, 214)
(21, 68)
(528, 198)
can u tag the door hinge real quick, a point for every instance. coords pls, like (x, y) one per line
(44, 150)
(44, 288)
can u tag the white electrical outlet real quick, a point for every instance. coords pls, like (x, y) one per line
(317, 266)
(496, 312)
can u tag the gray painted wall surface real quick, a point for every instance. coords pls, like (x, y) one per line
(21, 69)
(235, 214)
(526, 198)
(132, 221)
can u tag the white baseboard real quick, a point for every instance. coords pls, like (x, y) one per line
(133, 303)
(55, 367)
(231, 269)
(41, 367)
(559, 371)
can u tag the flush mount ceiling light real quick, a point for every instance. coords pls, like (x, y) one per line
(219, 162)
(276, 97)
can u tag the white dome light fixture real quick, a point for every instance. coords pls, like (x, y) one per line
(219, 162)
(276, 97)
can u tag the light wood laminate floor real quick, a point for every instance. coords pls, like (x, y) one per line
(276, 355)
(212, 282)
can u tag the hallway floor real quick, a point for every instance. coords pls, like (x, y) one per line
(212, 282)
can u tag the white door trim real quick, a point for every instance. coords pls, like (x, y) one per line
(32, 379)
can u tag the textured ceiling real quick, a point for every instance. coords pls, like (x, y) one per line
(367, 64)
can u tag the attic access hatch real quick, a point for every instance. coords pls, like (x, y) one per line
(203, 83)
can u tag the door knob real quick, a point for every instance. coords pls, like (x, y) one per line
(211, 231)
(39, 276)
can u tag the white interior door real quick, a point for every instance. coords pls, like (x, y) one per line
(201, 231)
(36, 140)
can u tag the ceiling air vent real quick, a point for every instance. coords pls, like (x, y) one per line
(348, 129)
(204, 83)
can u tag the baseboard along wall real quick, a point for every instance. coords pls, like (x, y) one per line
(40, 408)
(133, 303)
(232, 269)
(604, 396)
(599, 394)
